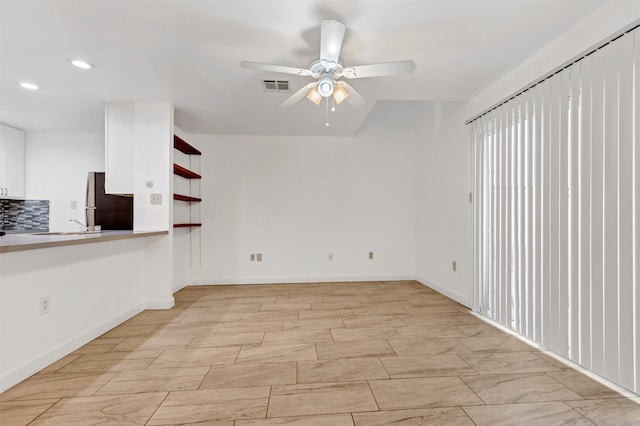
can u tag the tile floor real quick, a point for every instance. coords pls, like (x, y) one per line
(334, 354)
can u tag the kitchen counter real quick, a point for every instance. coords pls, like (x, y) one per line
(18, 242)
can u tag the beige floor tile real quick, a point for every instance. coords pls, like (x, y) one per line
(204, 357)
(426, 310)
(583, 385)
(18, 413)
(112, 361)
(426, 332)
(340, 370)
(210, 317)
(457, 319)
(336, 305)
(426, 366)
(423, 417)
(154, 342)
(52, 368)
(300, 299)
(59, 385)
(200, 406)
(380, 310)
(532, 414)
(91, 410)
(356, 349)
(428, 346)
(96, 348)
(516, 388)
(236, 376)
(277, 353)
(267, 307)
(131, 331)
(328, 398)
(374, 321)
(482, 329)
(160, 379)
(270, 316)
(504, 343)
(297, 336)
(242, 308)
(254, 300)
(350, 298)
(618, 411)
(312, 324)
(430, 392)
(187, 329)
(326, 314)
(249, 326)
(364, 333)
(212, 340)
(507, 362)
(334, 420)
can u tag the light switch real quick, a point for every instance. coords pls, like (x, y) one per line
(156, 198)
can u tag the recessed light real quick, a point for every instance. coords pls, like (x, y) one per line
(83, 65)
(29, 86)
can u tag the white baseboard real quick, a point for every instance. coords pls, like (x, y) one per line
(15, 376)
(462, 299)
(296, 279)
(160, 304)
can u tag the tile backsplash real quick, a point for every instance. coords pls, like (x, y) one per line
(24, 215)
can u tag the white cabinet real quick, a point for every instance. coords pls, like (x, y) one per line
(119, 146)
(11, 162)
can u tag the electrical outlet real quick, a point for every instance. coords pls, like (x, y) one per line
(454, 266)
(156, 199)
(252, 257)
(45, 305)
(259, 257)
(330, 257)
(370, 255)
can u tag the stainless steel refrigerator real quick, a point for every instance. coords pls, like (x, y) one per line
(111, 212)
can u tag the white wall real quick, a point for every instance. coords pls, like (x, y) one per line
(442, 230)
(296, 199)
(56, 167)
(614, 16)
(92, 288)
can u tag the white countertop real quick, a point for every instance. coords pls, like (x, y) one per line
(18, 242)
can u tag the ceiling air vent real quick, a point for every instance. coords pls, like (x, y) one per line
(275, 85)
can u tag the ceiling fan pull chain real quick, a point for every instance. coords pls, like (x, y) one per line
(326, 123)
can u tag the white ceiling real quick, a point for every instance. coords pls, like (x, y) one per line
(187, 52)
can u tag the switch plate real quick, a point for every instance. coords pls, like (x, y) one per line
(252, 257)
(156, 199)
(454, 266)
(330, 257)
(259, 257)
(74, 205)
(370, 255)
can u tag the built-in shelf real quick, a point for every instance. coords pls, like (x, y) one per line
(187, 198)
(186, 225)
(185, 173)
(181, 145)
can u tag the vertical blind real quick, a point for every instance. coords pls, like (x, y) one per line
(556, 213)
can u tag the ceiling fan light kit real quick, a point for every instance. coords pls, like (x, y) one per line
(328, 70)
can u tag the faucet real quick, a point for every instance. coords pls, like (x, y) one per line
(85, 227)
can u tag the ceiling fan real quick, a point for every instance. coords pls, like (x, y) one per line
(329, 69)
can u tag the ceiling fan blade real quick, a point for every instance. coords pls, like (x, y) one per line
(298, 96)
(379, 70)
(275, 68)
(331, 36)
(354, 97)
